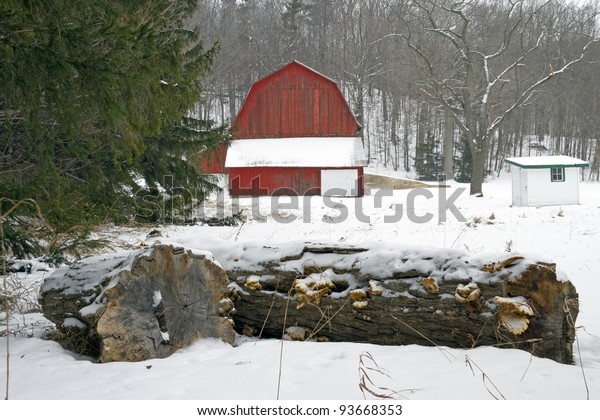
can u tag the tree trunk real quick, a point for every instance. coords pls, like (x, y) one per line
(406, 137)
(423, 123)
(384, 143)
(499, 148)
(448, 146)
(400, 296)
(479, 157)
(232, 100)
(394, 138)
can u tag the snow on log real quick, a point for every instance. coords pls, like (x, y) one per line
(133, 306)
(386, 294)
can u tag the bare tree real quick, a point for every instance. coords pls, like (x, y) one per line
(484, 61)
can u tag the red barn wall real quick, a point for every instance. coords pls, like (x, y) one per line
(294, 102)
(264, 181)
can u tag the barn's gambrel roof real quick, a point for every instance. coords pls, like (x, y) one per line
(295, 101)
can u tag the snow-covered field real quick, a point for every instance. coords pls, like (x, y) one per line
(212, 370)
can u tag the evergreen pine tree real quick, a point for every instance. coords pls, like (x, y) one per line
(294, 19)
(294, 10)
(174, 185)
(429, 166)
(94, 94)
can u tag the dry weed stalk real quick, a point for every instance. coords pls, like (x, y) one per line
(366, 384)
(268, 313)
(528, 366)
(479, 335)
(323, 321)
(287, 303)
(568, 305)
(485, 378)
(327, 318)
(469, 362)
(6, 307)
(13, 206)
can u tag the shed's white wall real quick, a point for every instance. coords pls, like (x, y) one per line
(519, 186)
(536, 188)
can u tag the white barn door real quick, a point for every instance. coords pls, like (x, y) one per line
(339, 182)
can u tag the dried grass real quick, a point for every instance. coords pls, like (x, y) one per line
(14, 205)
(568, 305)
(493, 391)
(367, 366)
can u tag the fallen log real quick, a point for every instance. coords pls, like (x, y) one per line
(397, 295)
(133, 306)
(152, 302)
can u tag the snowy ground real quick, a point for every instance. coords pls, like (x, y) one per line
(212, 370)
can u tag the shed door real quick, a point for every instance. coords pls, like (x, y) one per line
(339, 182)
(524, 187)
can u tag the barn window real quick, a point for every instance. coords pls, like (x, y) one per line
(557, 174)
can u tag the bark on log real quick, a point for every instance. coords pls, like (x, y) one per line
(135, 306)
(401, 296)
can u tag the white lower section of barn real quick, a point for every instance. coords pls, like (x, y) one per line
(339, 182)
(534, 187)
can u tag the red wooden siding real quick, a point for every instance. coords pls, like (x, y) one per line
(265, 181)
(295, 101)
(274, 181)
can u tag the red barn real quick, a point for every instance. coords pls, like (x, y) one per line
(295, 134)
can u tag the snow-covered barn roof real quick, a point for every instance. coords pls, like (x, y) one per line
(307, 152)
(547, 162)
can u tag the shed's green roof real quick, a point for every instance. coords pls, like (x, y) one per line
(547, 162)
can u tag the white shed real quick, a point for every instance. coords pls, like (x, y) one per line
(545, 180)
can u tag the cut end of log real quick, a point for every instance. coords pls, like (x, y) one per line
(154, 302)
